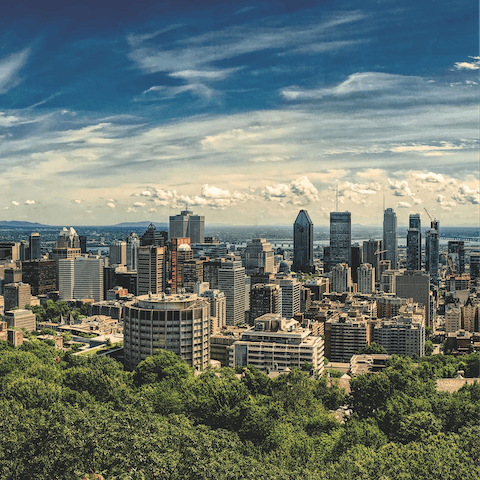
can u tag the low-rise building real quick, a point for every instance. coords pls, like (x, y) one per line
(275, 343)
(20, 319)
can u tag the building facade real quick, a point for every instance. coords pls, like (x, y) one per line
(150, 268)
(340, 238)
(390, 239)
(414, 243)
(187, 225)
(432, 249)
(341, 278)
(259, 257)
(178, 323)
(265, 298)
(231, 281)
(275, 344)
(303, 243)
(366, 278)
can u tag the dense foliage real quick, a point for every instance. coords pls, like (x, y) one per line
(73, 417)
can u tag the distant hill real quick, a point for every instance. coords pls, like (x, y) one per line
(19, 224)
(159, 226)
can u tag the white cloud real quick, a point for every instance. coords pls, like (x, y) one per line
(15, 203)
(9, 69)
(214, 192)
(152, 210)
(139, 204)
(443, 148)
(400, 188)
(76, 201)
(203, 74)
(431, 177)
(146, 193)
(403, 205)
(29, 202)
(111, 205)
(298, 192)
(131, 210)
(475, 65)
(444, 203)
(466, 194)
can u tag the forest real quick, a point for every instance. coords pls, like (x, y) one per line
(65, 416)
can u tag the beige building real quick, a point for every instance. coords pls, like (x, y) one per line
(453, 318)
(150, 262)
(21, 319)
(16, 295)
(366, 278)
(275, 343)
(345, 337)
(341, 278)
(179, 323)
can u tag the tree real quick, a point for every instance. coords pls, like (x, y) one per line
(163, 365)
(373, 348)
(428, 347)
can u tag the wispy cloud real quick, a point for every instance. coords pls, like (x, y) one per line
(10, 68)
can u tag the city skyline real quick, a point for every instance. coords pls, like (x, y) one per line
(243, 113)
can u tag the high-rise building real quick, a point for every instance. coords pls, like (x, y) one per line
(192, 273)
(218, 309)
(372, 254)
(474, 265)
(178, 323)
(303, 243)
(416, 285)
(35, 246)
(453, 318)
(210, 272)
(402, 335)
(366, 278)
(118, 253)
(180, 252)
(16, 295)
(414, 243)
(83, 244)
(187, 225)
(231, 281)
(290, 297)
(340, 238)
(357, 260)
(88, 278)
(456, 254)
(153, 237)
(65, 278)
(259, 257)
(390, 240)
(344, 337)
(341, 278)
(265, 298)
(133, 244)
(10, 251)
(67, 246)
(150, 270)
(41, 275)
(432, 246)
(24, 250)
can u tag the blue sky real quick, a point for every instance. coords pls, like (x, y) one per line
(246, 112)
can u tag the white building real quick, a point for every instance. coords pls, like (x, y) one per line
(88, 278)
(259, 256)
(231, 281)
(290, 296)
(81, 277)
(218, 307)
(275, 343)
(402, 335)
(366, 278)
(341, 278)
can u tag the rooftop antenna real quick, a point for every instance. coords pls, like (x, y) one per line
(336, 198)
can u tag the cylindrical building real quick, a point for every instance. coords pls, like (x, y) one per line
(179, 323)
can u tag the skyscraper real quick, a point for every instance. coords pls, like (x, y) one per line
(35, 246)
(340, 238)
(432, 251)
(133, 243)
(259, 256)
(371, 255)
(265, 298)
(416, 285)
(303, 243)
(414, 243)
(153, 237)
(118, 253)
(366, 278)
(290, 297)
(150, 270)
(231, 281)
(88, 278)
(456, 254)
(390, 240)
(187, 225)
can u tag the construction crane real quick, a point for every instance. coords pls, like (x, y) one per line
(429, 216)
(378, 252)
(452, 266)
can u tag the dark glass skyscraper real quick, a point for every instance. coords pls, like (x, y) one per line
(340, 238)
(456, 253)
(35, 246)
(414, 243)
(390, 240)
(432, 251)
(303, 243)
